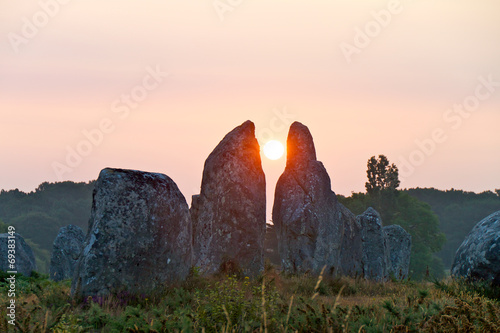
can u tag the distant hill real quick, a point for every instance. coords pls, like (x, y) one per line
(458, 213)
(38, 215)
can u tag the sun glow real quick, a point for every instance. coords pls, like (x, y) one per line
(274, 150)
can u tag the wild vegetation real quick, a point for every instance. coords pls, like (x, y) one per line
(272, 302)
(39, 215)
(458, 213)
(438, 221)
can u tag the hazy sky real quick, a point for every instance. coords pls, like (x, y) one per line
(367, 78)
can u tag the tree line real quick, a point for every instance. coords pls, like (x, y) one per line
(39, 215)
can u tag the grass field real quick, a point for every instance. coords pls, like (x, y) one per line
(271, 303)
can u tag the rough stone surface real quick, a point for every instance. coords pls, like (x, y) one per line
(375, 259)
(352, 244)
(229, 215)
(399, 242)
(478, 258)
(65, 252)
(25, 260)
(306, 213)
(139, 235)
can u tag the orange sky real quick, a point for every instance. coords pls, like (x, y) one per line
(264, 58)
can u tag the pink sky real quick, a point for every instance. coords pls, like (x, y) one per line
(264, 57)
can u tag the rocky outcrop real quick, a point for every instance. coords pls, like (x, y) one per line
(139, 235)
(229, 215)
(307, 216)
(399, 243)
(24, 258)
(478, 258)
(65, 252)
(375, 258)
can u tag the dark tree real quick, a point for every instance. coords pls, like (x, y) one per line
(381, 175)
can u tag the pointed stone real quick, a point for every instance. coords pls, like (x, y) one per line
(229, 215)
(300, 146)
(306, 212)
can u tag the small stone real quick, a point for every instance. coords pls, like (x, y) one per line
(24, 258)
(399, 242)
(65, 252)
(375, 259)
(478, 258)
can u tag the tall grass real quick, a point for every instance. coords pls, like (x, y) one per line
(272, 302)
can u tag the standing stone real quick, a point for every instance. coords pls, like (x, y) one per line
(229, 215)
(399, 242)
(478, 258)
(352, 244)
(139, 235)
(375, 257)
(25, 260)
(65, 252)
(306, 213)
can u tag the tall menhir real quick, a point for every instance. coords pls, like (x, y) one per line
(229, 215)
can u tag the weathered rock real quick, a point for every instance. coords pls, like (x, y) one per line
(375, 259)
(139, 235)
(24, 258)
(229, 215)
(399, 242)
(478, 258)
(352, 244)
(306, 213)
(65, 252)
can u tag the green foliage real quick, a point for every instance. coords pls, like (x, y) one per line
(42, 256)
(68, 324)
(381, 175)
(458, 213)
(273, 303)
(416, 217)
(39, 215)
(4, 228)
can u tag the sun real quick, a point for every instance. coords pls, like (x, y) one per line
(274, 150)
